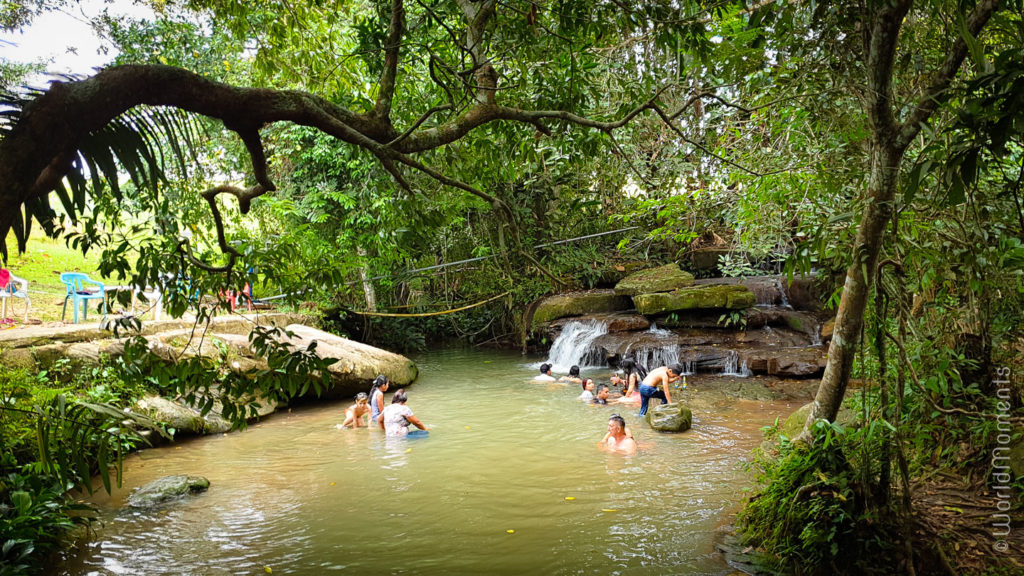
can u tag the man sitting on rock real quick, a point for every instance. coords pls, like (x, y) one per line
(616, 440)
(662, 377)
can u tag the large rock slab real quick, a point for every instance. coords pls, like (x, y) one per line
(672, 417)
(358, 364)
(662, 279)
(615, 321)
(578, 304)
(725, 297)
(164, 490)
(181, 420)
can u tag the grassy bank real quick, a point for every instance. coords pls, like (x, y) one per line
(42, 264)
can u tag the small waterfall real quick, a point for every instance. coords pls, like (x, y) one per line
(688, 367)
(782, 295)
(652, 354)
(816, 339)
(734, 367)
(572, 347)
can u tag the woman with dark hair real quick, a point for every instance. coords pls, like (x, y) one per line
(396, 418)
(573, 376)
(380, 386)
(632, 376)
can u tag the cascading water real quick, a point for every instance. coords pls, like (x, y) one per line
(782, 295)
(816, 339)
(573, 346)
(734, 367)
(652, 353)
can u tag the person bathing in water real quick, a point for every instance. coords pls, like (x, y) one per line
(588, 390)
(662, 377)
(545, 373)
(397, 417)
(632, 376)
(354, 415)
(573, 376)
(602, 395)
(380, 386)
(618, 439)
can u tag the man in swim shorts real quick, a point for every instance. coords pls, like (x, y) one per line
(662, 377)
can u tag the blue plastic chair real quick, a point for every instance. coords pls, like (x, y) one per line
(75, 283)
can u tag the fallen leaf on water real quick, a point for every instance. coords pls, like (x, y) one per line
(268, 570)
(467, 427)
(570, 497)
(510, 531)
(332, 484)
(609, 510)
(408, 450)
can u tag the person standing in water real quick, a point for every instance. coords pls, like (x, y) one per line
(616, 440)
(662, 377)
(380, 386)
(397, 416)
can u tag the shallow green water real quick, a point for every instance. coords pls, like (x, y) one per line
(299, 496)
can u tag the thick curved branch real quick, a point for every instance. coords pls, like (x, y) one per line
(392, 44)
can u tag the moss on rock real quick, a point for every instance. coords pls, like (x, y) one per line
(662, 279)
(579, 303)
(711, 296)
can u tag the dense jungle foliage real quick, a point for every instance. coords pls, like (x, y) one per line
(762, 127)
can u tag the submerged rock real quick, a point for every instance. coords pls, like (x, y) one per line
(165, 489)
(672, 417)
(579, 303)
(662, 279)
(731, 297)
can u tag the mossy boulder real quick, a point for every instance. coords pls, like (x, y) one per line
(159, 492)
(673, 417)
(653, 280)
(731, 297)
(579, 303)
(794, 424)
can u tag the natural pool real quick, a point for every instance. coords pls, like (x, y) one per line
(298, 496)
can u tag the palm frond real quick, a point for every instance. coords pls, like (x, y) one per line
(142, 144)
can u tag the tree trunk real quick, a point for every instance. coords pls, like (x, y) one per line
(889, 141)
(885, 167)
(368, 291)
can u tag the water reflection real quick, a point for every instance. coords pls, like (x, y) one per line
(299, 496)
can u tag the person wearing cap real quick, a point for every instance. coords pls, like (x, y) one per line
(659, 377)
(618, 439)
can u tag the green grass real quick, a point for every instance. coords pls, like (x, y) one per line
(41, 264)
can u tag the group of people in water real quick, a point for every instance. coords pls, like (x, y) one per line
(369, 410)
(638, 387)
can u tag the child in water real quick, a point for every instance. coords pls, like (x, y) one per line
(355, 413)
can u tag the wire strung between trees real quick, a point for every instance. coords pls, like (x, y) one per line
(424, 314)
